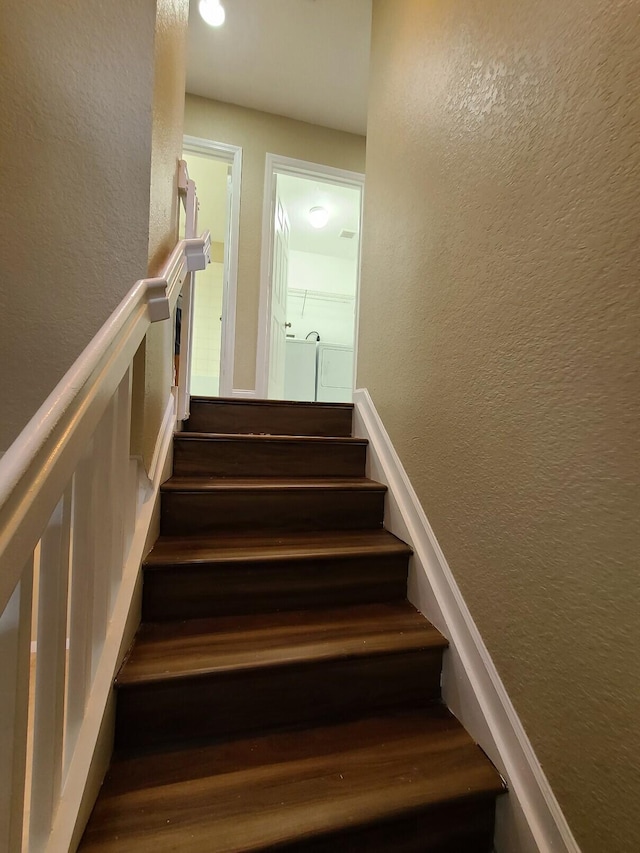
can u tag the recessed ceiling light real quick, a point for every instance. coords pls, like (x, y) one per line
(212, 11)
(318, 217)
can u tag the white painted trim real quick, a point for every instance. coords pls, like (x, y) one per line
(317, 171)
(529, 819)
(92, 400)
(231, 154)
(249, 395)
(69, 806)
(356, 319)
(276, 164)
(163, 440)
(218, 150)
(36, 468)
(34, 646)
(264, 302)
(189, 200)
(189, 255)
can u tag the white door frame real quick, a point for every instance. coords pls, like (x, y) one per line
(231, 154)
(278, 165)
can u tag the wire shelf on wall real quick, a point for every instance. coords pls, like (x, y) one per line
(321, 295)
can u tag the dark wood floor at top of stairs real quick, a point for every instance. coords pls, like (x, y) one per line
(270, 417)
(260, 793)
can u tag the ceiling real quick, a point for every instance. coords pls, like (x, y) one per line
(299, 195)
(305, 59)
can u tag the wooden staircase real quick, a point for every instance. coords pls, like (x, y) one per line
(282, 694)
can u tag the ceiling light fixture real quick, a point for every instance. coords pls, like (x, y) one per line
(212, 11)
(318, 217)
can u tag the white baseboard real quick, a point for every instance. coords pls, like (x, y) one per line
(249, 395)
(72, 809)
(529, 818)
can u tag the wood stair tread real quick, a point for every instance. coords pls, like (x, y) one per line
(260, 793)
(273, 417)
(263, 484)
(282, 694)
(273, 547)
(259, 454)
(165, 651)
(269, 437)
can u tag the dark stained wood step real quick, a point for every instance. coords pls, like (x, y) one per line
(200, 646)
(460, 826)
(190, 578)
(281, 694)
(213, 677)
(274, 417)
(216, 455)
(197, 505)
(407, 782)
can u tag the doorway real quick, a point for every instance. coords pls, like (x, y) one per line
(310, 282)
(216, 169)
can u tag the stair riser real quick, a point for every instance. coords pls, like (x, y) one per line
(255, 458)
(466, 826)
(206, 589)
(273, 697)
(190, 513)
(276, 419)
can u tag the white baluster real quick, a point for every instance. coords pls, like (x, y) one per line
(100, 532)
(81, 602)
(51, 667)
(120, 480)
(184, 377)
(15, 644)
(188, 302)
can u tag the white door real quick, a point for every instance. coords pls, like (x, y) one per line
(226, 380)
(279, 278)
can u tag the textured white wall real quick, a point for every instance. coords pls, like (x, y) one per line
(323, 273)
(333, 319)
(321, 276)
(500, 322)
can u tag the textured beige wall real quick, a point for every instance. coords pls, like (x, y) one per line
(89, 143)
(75, 147)
(168, 113)
(499, 337)
(258, 133)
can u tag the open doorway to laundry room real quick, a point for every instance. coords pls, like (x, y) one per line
(310, 281)
(216, 169)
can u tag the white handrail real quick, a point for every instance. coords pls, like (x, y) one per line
(189, 198)
(69, 515)
(39, 447)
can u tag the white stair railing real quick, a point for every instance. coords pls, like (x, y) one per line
(189, 199)
(69, 506)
